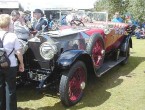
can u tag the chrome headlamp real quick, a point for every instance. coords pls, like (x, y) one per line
(47, 50)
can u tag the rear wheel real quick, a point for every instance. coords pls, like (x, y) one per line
(126, 54)
(72, 84)
(96, 49)
(116, 54)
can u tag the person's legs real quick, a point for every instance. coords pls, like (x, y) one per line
(11, 102)
(137, 35)
(2, 92)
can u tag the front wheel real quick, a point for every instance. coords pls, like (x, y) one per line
(72, 84)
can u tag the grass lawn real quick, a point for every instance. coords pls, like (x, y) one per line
(122, 88)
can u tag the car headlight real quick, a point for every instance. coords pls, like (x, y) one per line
(47, 51)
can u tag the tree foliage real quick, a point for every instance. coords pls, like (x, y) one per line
(136, 8)
(133, 7)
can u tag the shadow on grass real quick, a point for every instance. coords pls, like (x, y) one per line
(96, 91)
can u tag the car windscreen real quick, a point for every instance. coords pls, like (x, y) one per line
(98, 16)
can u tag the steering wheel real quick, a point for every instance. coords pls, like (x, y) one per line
(77, 23)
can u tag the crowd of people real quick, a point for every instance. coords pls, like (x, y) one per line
(12, 28)
(140, 31)
(22, 26)
(140, 27)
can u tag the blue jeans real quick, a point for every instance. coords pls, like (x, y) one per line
(137, 34)
(8, 99)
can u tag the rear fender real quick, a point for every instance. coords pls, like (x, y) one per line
(127, 41)
(68, 58)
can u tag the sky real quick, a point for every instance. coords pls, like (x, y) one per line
(76, 4)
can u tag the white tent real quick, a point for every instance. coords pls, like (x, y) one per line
(76, 4)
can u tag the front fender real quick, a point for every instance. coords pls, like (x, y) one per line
(67, 58)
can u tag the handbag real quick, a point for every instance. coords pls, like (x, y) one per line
(4, 58)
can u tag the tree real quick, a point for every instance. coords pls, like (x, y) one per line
(112, 6)
(133, 7)
(136, 8)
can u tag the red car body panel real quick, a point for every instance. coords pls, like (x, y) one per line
(112, 39)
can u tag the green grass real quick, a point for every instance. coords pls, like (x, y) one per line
(122, 88)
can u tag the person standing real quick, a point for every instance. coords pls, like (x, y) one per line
(20, 27)
(8, 100)
(40, 23)
(117, 18)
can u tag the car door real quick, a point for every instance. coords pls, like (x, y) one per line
(119, 34)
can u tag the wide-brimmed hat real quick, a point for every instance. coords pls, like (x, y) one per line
(38, 11)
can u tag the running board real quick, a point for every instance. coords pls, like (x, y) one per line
(108, 65)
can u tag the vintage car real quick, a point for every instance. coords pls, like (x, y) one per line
(71, 53)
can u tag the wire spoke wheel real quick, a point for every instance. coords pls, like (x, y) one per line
(76, 83)
(96, 49)
(72, 84)
(97, 53)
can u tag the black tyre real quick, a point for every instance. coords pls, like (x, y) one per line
(72, 84)
(126, 54)
(21, 79)
(116, 54)
(96, 49)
